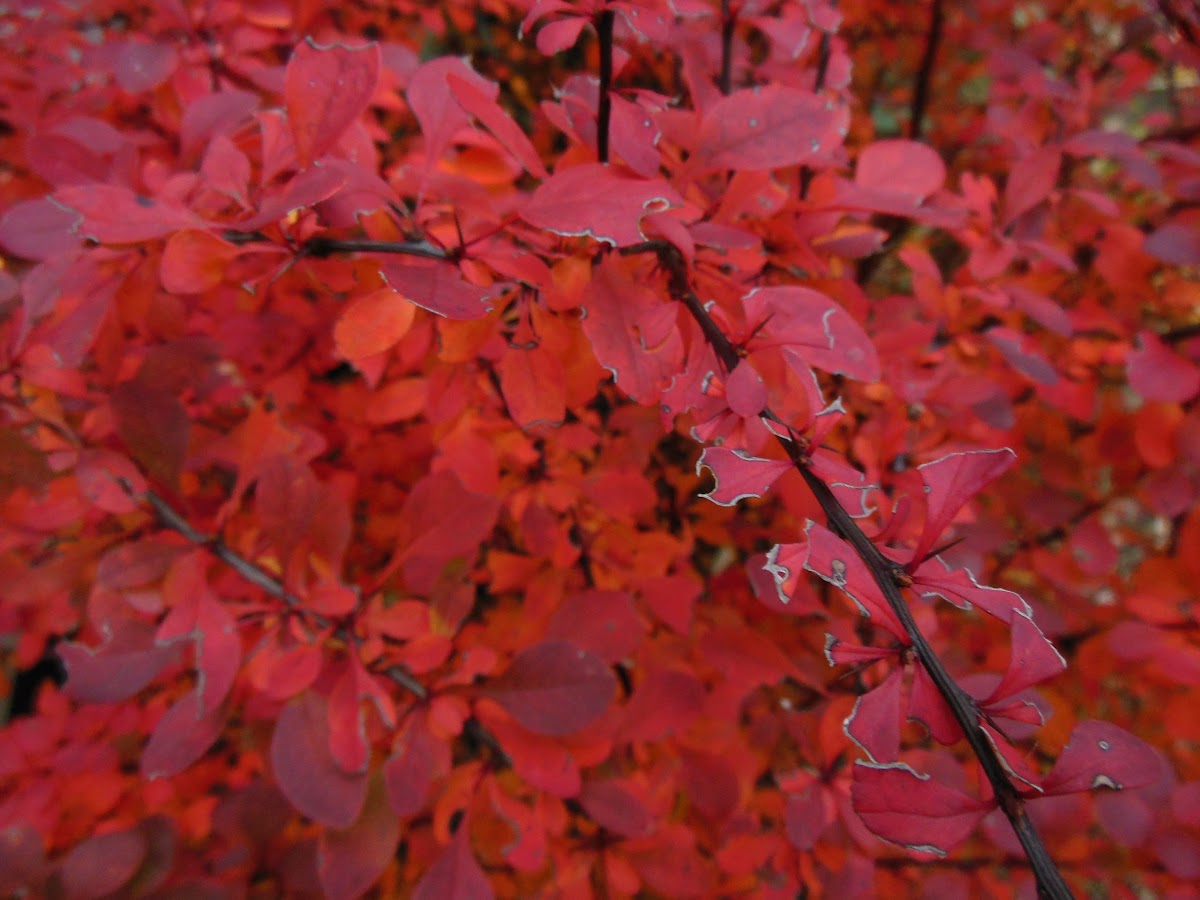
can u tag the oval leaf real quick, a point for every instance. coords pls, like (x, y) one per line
(554, 688)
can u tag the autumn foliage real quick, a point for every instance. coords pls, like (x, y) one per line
(714, 448)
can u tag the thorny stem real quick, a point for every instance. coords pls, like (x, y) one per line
(962, 706)
(604, 27)
(321, 246)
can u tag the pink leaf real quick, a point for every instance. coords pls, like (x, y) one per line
(554, 688)
(766, 127)
(433, 103)
(833, 560)
(410, 771)
(440, 288)
(958, 586)
(218, 651)
(349, 861)
(738, 475)
(128, 662)
(305, 769)
(806, 817)
(326, 88)
(184, 733)
(1160, 374)
(874, 724)
(906, 167)
(950, 482)
(455, 875)
(1101, 755)
(1176, 243)
(912, 810)
(592, 199)
(927, 705)
(745, 391)
(38, 229)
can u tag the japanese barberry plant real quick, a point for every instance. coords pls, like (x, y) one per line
(570, 449)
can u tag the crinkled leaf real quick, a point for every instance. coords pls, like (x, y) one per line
(440, 288)
(1034, 660)
(738, 475)
(305, 769)
(485, 108)
(1101, 755)
(874, 724)
(554, 688)
(818, 331)
(326, 88)
(592, 199)
(913, 810)
(958, 586)
(833, 560)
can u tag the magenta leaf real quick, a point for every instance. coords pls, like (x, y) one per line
(433, 103)
(218, 651)
(604, 623)
(1177, 243)
(766, 127)
(950, 482)
(745, 391)
(118, 669)
(483, 106)
(456, 874)
(913, 810)
(927, 705)
(102, 864)
(906, 167)
(874, 724)
(554, 688)
(409, 772)
(738, 475)
(1030, 182)
(610, 805)
(111, 214)
(592, 199)
(813, 328)
(305, 769)
(326, 88)
(1101, 755)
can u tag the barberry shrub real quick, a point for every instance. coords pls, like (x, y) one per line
(506, 448)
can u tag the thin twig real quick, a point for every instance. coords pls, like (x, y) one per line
(920, 100)
(962, 706)
(604, 27)
(728, 26)
(321, 246)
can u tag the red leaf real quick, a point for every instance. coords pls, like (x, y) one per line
(38, 229)
(1101, 755)
(710, 784)
(326, 88)
(349, 861)
(834, 561)
(874, 724)
(455, 875)
(806, 817)
(1158, 373)
(594, 200)
(154, 426)
(913, 810)
(442, 520)
(97, 474)
(305, 769)
(373, 323)
(1034, 660)
(286, 501)
(218, 651)
(666, 702)
(102, 864)
(21, 465)
(485, 108)
(1030, 182)
(814, 328)
(410, 770)
(542, 761)
(745, 391)
(110, 214)
(766, 127)
(950, 482)
(745, 657)
(958, 586)
(602, 622)
(632, 332)
(440, 288)
(194, 261)
(533, 386)
(120, 668)
(554, 688)
(614, 806)
(738, 475)
(433, 103)
(183, 734)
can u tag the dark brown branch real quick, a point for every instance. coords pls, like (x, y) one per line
(604, 27)
(920, 100)
(962, 706)
(320, 246)
(728, 26)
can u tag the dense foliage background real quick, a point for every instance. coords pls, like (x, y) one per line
(357, 363)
